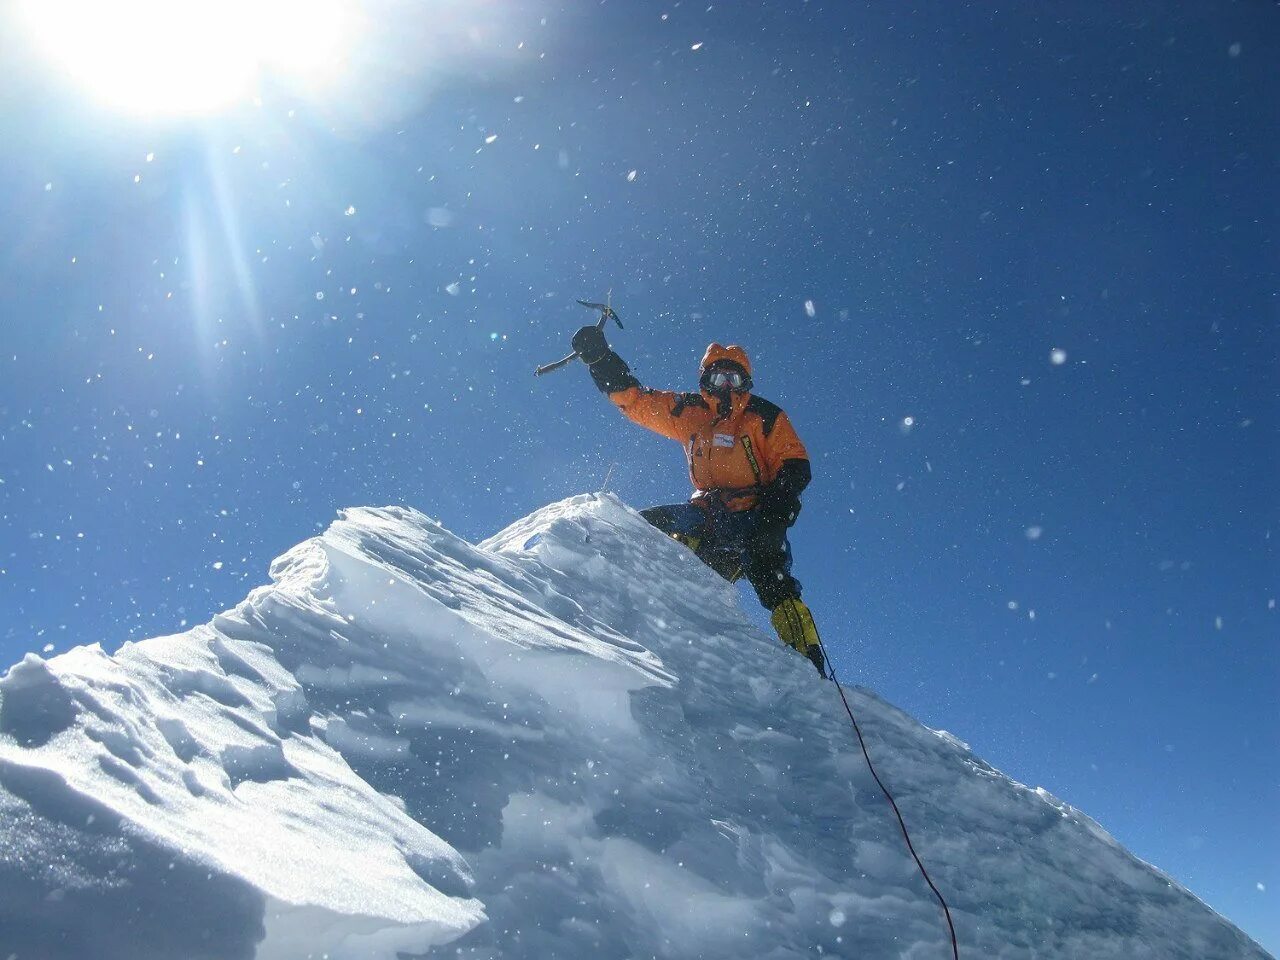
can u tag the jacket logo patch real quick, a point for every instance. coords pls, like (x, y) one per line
(723, 440)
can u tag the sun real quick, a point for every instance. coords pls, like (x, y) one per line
(167, 57)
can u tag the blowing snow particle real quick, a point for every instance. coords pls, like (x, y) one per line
(439, 217)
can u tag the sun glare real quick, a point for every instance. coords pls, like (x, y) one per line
(189, 56)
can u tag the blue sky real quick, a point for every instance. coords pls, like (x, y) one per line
(221, 328)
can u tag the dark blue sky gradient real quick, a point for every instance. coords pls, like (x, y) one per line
(958, 189)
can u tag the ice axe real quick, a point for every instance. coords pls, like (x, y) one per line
(606, 312)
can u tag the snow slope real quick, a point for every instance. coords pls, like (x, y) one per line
(564, 742)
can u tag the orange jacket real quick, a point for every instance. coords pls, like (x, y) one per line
(731, 452)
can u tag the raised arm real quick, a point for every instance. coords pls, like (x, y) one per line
(656, 410)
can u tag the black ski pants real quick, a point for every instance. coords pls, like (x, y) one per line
(734, 545)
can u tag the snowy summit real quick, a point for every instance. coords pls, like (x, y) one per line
(567, 741)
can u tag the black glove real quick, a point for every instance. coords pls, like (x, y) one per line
(589, 343)
(777, 506)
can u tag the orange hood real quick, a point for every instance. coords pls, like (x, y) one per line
(738, 401)
(732, 352)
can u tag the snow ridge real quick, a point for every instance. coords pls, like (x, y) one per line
(566, 741)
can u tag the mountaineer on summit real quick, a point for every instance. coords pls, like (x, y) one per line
(748, 469)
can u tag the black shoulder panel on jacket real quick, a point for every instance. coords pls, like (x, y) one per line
(689, 400)
(766, 411)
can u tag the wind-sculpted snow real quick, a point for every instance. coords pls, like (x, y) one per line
(566, 742)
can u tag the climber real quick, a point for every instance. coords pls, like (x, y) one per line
(748, 469)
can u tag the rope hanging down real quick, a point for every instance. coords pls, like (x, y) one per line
(955, 949)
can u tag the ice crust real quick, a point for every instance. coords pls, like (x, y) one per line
(567, 741)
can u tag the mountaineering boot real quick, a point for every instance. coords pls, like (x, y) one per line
(794, 624)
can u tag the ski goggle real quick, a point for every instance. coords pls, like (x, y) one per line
(720, 379)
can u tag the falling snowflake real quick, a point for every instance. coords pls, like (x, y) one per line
(439, 216)
(1057, 356)
(810, 309)
(631, 176)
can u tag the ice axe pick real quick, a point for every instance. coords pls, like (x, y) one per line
(606, 312)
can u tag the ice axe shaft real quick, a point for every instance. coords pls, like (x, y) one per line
(606, 313)
(548, 367)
